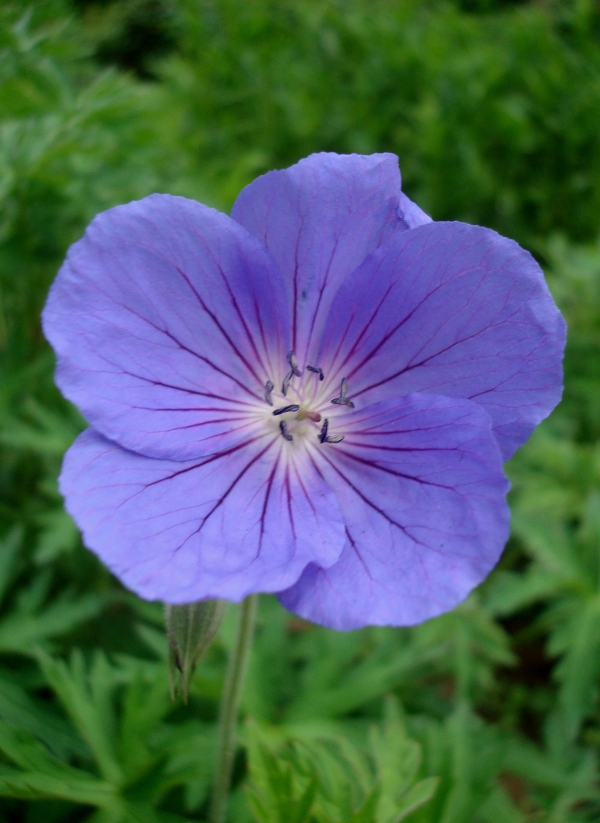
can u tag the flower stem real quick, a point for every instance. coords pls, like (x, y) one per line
(230, 704)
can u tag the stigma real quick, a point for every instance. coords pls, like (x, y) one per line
(306, 414)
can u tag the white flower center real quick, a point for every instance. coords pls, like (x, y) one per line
(302, 408)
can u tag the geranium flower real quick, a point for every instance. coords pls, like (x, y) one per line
(311, 397)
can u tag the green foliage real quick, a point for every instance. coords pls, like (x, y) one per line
(115, 732)
(492, 107)
(493, 116)
(325, 779)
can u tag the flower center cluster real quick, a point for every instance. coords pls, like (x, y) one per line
(301, 408)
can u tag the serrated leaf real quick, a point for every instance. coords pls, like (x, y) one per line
(87, 700)
(302, 811)
(398, 758)
(58, 535)
(24, 629)
(333, 687)
(579, 668)
(145, 704)
(368, 811)
(416, 796)
(510, 591)
(19, 711)
(278, 792)
(45, 776)
(36, 786)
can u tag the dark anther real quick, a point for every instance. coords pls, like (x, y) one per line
(323, 432)
(295, 372)
(286, 382)
(342, 400)
(317, 370)
(284, 431)
(269, 386)
(332, 438)
(285, 409)
(294, 365)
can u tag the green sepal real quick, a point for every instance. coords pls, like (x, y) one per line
(191, 629)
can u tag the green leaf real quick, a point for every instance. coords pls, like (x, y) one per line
(145, 704)
(19, 711)
(30, 625)
(498, 808)
(339, 677)
(368, 811)
(87, 700)
(415, 797)
(10, 546)
(578, 671)
(44, 776)
(278, 792)
(398, 759)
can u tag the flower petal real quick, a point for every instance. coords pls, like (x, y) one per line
(320, 219)
(167, 318)
(238, 522)
(456, 310)
(420, 485)
(411, 214)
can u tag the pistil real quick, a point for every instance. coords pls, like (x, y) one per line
(307, 414)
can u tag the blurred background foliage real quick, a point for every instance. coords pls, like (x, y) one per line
(489, 714)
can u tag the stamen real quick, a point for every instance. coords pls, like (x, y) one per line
(269, 386)
(332, 438)
(323, 432)
(317, 370)
(285, 409)
(294, 365)
(286, 382)
(342, 399)
(284, 431)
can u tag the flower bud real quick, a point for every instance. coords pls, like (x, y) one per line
(191, 629)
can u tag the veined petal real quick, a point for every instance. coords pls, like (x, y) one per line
(411, 214)
(452, 309)
(238, 522)
(167, 318)
(320, 219)
(420, 485)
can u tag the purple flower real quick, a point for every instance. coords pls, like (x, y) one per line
(311, 397)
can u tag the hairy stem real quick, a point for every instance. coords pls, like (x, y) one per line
(230, 704)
